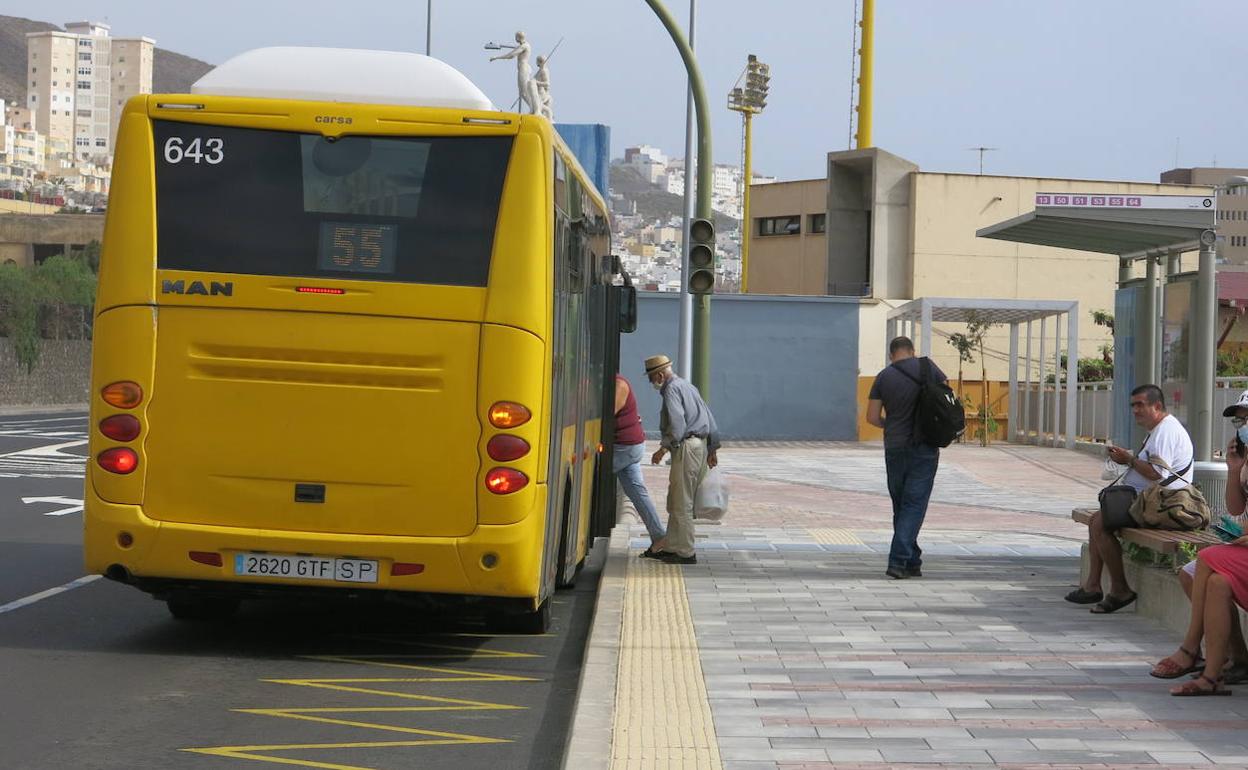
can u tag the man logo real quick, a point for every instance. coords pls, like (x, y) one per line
(225, 289)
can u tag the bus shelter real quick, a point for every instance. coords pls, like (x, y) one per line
(1028, 321)
(1155, 229)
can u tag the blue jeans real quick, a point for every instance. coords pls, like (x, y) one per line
(911, 473)
(627, 469)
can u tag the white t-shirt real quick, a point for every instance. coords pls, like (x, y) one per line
(1170, 442)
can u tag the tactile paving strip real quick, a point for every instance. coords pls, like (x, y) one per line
(662, 714)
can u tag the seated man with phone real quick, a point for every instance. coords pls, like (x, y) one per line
(1167, 447)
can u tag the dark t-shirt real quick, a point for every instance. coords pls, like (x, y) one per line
(899, 394)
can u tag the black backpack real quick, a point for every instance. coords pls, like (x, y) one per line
(939, 418)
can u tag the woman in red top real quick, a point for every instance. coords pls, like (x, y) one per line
(630, 448)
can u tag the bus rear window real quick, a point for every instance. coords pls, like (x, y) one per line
(404, 209)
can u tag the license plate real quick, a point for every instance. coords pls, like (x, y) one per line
(306, 567)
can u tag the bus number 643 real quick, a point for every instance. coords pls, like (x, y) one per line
(210, 150)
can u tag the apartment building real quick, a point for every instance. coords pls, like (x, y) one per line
(1232, 207)
(79, 80)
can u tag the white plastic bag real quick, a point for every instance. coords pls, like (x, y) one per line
(711, 502)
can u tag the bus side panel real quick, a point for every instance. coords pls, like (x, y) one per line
(128, 254)
(513, 363)
(520, 270)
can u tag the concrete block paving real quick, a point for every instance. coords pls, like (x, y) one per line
(794, 650)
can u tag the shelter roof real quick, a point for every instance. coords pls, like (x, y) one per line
(1000, 311)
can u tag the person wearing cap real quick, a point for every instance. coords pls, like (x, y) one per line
(690, 434)
(1168, 441)
(1217, 583)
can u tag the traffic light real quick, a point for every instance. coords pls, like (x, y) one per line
(701, 257)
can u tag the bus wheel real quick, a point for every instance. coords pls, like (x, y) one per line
(535, 622)
(184, 608)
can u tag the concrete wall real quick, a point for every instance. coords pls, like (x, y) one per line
(20, 233)
(61, 376)
(788, 264)
(781, 367)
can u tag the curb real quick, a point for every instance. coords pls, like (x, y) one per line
(593, 719)
(6, 411)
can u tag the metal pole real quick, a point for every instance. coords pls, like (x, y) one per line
(1041, 402)
(1011, 415)
(701, 372)
(684, 354)
(1072, 373)
(428, 27)
(1148, 345)
(1027, 389)
(1057, 375)
(925, 328)
(1204, 350)
(745, 205)
(866, 60)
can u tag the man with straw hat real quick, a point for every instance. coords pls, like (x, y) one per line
(692, 437)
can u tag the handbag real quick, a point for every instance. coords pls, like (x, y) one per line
(1163, 507)
(1116, 501)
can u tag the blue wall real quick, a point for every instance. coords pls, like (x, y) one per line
(783, 368)
(591, 144)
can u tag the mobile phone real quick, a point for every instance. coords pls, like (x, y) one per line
(1239, 445)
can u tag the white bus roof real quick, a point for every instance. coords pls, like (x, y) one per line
(344, 75)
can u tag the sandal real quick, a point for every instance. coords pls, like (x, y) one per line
(650, 553)
(1112, 603)
(1080, 596)
(1169, 668)
(1193, 688)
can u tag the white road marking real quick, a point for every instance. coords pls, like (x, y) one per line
(71, 585)
(75, 505)
(44, 462)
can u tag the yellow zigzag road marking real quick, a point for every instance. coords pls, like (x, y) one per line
(261, 753)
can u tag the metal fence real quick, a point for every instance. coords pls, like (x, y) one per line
(1095, 405)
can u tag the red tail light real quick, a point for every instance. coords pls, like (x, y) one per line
(508, 414)
(121, 427)
(504, 481)
(211, 558)
(118, 460)
(505, 448)
(123, 395)
(400, 568)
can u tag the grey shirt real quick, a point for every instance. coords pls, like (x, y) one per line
(685, 414)
(899, 394)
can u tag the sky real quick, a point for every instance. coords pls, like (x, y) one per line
(1111, 89)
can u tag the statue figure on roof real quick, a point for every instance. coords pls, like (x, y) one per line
(545, 104)
(524, 73)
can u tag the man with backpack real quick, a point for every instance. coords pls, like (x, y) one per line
(911, 401)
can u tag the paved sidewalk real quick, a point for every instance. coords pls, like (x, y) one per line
(787, 647)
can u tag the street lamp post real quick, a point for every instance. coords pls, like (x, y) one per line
(1205, 336)
(701, 303)
(749, 99)
(428, 27)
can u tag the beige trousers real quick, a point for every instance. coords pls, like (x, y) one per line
(688, 471)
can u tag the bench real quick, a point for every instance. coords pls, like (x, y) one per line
(1162, 541)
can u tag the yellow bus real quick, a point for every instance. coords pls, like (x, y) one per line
(355, 335)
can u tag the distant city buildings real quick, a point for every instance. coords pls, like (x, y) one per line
(58, 145)
(79, 82)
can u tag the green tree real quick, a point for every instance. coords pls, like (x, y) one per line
(66, 286)
(19, 313)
